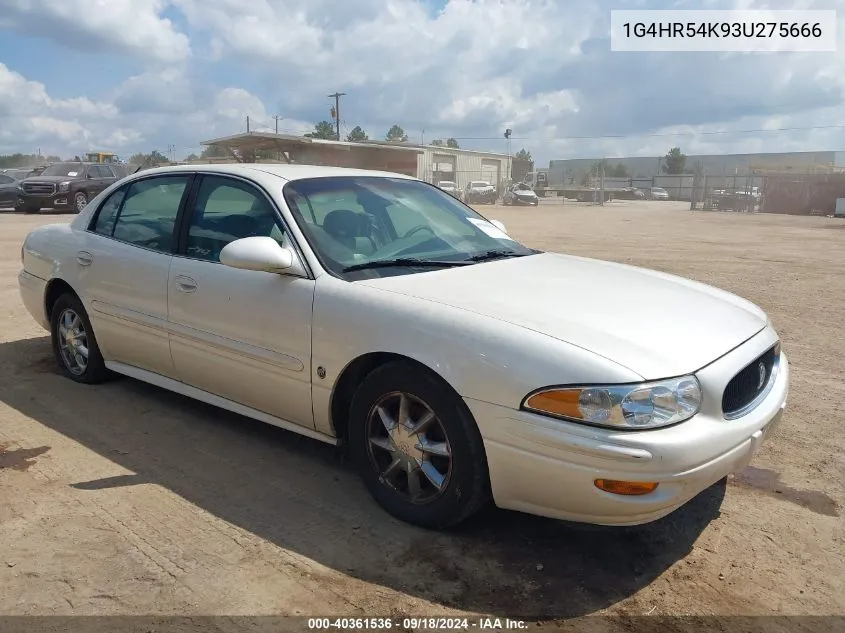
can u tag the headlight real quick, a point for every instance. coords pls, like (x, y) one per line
(647, 405)
(64, 187)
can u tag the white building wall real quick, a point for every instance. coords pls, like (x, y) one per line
(467, 165)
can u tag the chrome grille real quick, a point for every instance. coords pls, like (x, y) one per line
(749, 385)
(39, 188)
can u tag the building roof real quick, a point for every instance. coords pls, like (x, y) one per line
(282, 170)
(252, 141)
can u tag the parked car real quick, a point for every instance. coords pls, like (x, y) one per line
(520, 193)
(480, 191)
(65, 186)
(658, 193)
(375, 310)
(17, 174)
(450, 187)
(9, 186)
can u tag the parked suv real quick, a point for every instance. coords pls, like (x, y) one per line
(64, 187)
(480, 191)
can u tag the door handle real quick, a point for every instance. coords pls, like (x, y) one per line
(84, 258)
(185, 284)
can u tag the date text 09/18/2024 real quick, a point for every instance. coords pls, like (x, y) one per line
(417, 624)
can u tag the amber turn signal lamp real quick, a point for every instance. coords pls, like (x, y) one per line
(626, 487)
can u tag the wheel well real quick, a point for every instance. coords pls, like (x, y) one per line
(55, 289)
(353, 375)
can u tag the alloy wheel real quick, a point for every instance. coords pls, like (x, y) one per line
(408, 447)
(73, 342)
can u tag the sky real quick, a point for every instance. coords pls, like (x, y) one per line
(140, 75)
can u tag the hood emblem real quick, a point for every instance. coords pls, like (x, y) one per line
(761, 369)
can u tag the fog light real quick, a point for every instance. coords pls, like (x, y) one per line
(626, 487)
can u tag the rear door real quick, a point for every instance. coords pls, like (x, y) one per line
(123, 263)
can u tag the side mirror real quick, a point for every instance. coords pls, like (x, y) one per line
(499, 225)
(256, 253)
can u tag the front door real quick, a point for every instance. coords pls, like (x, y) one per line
(243, 335)
(123, 264)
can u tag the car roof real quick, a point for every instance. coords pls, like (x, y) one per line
(284, 171)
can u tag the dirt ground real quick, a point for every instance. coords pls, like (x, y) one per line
(126, 499)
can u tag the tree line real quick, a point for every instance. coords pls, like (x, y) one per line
(17, 161)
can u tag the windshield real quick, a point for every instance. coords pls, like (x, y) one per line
(353, 220)
(658, 190)
(479, 184)
(447, 183)
(71, 170)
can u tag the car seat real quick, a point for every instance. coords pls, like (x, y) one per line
(352, 229)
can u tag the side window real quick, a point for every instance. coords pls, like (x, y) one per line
(149, 212)
(6, 180)
(94, 172)
(104, 224)
(227, 210)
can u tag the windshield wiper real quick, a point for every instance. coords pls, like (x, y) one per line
(494, 254)
(410, 262)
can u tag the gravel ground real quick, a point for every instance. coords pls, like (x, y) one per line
(125, 499)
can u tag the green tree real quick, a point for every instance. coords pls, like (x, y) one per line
(357, 135)
(618, 171)
(523, 154)
(674, 162)
(438, 142)
(450, 142)
(213, 151)
(192, 156)
(396, 134)
(324, 130)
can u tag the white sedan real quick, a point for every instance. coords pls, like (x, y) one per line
(377, 311)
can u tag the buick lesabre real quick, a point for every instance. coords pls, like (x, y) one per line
(376, 311)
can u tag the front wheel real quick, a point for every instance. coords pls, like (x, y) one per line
(80, 201)
(417, 447)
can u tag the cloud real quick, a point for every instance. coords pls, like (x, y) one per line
(128, 26)
(467, 69)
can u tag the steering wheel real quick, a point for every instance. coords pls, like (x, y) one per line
(418, 228)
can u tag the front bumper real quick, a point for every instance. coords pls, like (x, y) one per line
(547, 467)
(55, 201)
(526, 201)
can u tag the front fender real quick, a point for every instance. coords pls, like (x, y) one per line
(482, 358)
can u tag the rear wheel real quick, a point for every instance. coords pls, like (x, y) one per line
(74, 344)
(28, 209)
(417, 447)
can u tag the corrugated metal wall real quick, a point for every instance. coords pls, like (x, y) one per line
(464, 165)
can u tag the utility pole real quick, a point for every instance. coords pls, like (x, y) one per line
(277, 118)
(247, 124)
(337, 96)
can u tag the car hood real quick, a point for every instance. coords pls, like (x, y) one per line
(50, 179)
(527, 194)
(655, 324)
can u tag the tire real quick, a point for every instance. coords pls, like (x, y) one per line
(68, 312)
(80, 200)
(29, 210)
(464, 483)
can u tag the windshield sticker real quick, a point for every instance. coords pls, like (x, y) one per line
(489, 229)
(73, 174)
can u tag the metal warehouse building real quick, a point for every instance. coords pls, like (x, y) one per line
(426, 162)
(564, 171)
(436, 163)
